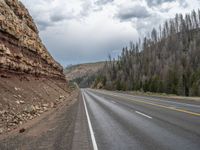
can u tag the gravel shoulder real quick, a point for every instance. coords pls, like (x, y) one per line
(52, 130)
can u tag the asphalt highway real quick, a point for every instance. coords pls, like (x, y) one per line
(120, 121)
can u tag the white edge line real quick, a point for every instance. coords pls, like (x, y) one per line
(90, 126)
(143, 114)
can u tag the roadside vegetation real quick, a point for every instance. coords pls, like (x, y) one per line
(166, 61)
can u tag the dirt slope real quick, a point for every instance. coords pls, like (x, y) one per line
(52, 131)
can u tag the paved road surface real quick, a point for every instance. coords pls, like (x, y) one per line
(125, 122)
(103, 120)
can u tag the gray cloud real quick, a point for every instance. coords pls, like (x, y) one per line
(51, 19)
(42, 24)
(136, 11)
(86, 8)
(150, 3)
(57, 17)
(103, 2)
(184, 3)
(157, 2)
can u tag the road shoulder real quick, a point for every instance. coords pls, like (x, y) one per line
(81, 138)
(53, 130)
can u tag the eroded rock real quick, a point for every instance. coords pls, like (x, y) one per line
(21, 49)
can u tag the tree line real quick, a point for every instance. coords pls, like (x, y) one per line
(165, 61)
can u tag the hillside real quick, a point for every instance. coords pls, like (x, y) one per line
(31, 81)
(167, 61)
(83, 74)
(81, 70)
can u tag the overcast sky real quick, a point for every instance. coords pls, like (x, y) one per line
(79, 31)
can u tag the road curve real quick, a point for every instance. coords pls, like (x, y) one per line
(125, 122)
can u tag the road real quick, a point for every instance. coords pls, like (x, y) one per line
(104, 120)
(125, 122)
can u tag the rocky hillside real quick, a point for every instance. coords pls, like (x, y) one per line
(31, 81)
(81, 70)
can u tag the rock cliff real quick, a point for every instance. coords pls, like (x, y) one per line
(31, 81)
(21, 49)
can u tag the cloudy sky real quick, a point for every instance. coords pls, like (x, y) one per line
(79, 31)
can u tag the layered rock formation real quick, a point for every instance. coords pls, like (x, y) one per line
(21, 49)
(31, 81)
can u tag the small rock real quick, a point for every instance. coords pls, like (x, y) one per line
(37, 107)
(30, 109)
(52, 105)
(45, 108)
(41, 111)
(31, 117)
(22, 102)
(1, 130)
(18, 102)
(61, 97)
(17, 89)
(22, 130)
(45, 105)
(2, 112)
(4, 76)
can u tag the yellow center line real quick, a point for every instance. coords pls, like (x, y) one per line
(158, 105)
(176, 109)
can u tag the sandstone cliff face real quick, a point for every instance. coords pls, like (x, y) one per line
(21, 49)
(31, 81)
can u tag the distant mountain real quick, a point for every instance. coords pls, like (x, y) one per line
(83, 74)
